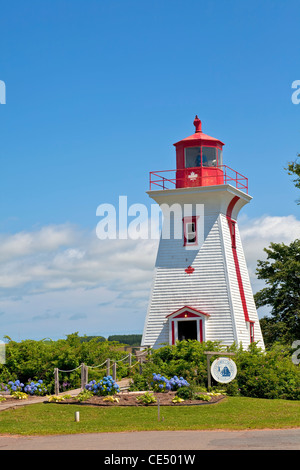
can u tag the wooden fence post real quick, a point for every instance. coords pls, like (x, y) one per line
(208, 372)
(114, 371)
(107, 366)
(56, 381)
(84, 376)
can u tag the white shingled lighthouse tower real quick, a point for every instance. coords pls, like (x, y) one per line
(201, 288)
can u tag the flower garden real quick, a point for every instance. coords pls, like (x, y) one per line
(170, 375)
(163, 390)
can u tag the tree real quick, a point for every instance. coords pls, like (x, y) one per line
(281, 272)
(293, 169)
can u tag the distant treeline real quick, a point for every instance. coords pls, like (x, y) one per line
(131, 340)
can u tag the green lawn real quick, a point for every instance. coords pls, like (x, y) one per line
(231, 413)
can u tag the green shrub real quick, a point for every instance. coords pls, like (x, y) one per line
(31, 360)
(269, 374)
(202, 397)
(84, 395)
(185, 392)
(260, 374)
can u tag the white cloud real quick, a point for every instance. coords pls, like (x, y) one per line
(257, 234)
(46, 239)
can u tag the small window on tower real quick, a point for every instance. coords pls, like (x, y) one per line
(232, 233)
(190, 230)
(252, 332)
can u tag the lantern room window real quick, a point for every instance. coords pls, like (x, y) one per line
(192, 157)
(220, 157)
(209, 156)
(203, 157)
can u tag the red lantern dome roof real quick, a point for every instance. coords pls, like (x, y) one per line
(199, 137)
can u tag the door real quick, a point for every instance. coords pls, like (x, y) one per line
(187, 329)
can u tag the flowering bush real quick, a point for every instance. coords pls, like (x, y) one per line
(35, 388)
(15, 386)
(32, 388)
(106, 386)
(162, 384)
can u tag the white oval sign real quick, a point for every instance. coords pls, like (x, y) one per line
(223, 370)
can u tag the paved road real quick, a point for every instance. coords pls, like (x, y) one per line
(283, 439)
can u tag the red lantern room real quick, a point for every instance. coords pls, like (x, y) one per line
(199, 159)
(199, 162)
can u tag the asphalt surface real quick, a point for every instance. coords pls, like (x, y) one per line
(280, 439)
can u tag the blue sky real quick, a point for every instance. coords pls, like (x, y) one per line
(96, 94)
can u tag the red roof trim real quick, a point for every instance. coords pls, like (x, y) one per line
(182, 309)
(199, 137)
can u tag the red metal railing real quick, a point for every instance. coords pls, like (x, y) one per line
(199, 176)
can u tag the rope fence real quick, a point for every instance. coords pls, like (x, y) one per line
(108, 366)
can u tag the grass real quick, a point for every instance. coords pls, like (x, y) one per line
(231, 413)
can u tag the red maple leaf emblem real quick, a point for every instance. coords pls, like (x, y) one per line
(189, 270)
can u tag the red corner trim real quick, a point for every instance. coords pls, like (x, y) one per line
(201, 331)
(235, 257)
(231, 206)
(173, 333)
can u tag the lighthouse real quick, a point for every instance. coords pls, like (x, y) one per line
(201, 288)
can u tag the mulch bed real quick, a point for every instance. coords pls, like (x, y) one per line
(125, 399)
(130, 399)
